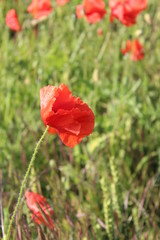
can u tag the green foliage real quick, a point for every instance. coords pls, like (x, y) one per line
(108, 208)
(123, 150)
(116, 188)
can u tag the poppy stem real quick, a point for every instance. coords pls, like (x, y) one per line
(24, 182)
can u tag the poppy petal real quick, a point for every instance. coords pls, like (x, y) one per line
(70, 140)
(12, 20)
(79, 11)
(41, 211)
(93, 18)
(135, 50)
(40, 8)
(94, 10)
(126, 11)
(65, 114)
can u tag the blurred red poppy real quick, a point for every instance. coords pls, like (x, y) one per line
(61, 2)
(126, 11)
(99, 31)
(12, 21)
(40, 8)
(41, 211)
(80, 11)
(92, 10)
(65, 114)
(135, 50)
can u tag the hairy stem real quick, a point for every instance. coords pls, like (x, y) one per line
(24, 183)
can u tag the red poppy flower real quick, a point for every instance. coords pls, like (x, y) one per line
(61, 2)
(65, 114)
(93, 10)
(99, 31)
(135, 49)
(79, 11)
(40, 8)
(12, 21)
(41, 211)
(126, 10)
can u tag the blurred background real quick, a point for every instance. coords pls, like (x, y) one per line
(107, 187)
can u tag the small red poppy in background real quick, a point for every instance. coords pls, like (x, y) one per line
(65, 114)
(93, 10)
(12, 21)
(80, 11)
(99, 31)
(135, 50)
(40, 8)
(126, 11)
(61, 2)
(41, 211)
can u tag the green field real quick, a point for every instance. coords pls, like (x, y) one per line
(108, 186)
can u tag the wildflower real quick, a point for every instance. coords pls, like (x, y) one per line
(93, 10)
(99, 31)
(80, 11)
(41, 211)
(65, 114)
(40, 8)
(126, 11)
(135, 50)
(12, 21)
(61, 2)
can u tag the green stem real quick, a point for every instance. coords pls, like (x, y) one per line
(24, 183)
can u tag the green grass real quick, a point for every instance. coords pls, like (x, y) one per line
(125, 98)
